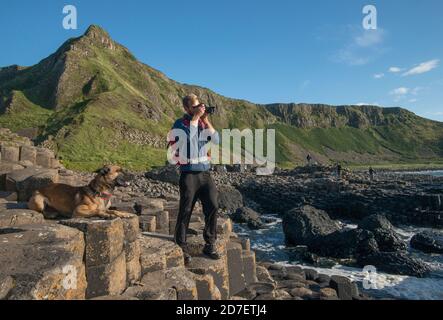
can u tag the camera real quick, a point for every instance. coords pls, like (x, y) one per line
(210, 110)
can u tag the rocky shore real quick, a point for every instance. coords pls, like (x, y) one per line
(133, 258)
(313, 203)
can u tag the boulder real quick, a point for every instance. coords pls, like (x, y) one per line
(345, 244)
(305, 224)
(428, 241)
(395, 263)
(229, 198)
(387, 239)
(170, 174)
(249, 216)
(44, 261)
(375, 221)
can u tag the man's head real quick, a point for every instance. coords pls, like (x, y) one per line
(191, 103)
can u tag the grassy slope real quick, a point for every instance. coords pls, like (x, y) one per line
(85, 138)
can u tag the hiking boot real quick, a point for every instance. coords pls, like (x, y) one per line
(187, 257)
(210, 251)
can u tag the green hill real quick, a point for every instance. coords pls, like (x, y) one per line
(93, 102)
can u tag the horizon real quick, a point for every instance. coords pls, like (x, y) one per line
(418, 87)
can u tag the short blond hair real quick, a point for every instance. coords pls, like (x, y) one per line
(188, 99)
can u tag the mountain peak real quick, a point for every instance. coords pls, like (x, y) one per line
(96, 34)
(95, 30)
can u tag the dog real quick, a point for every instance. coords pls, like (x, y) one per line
(88, 201)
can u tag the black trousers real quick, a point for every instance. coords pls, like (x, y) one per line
(195, 186)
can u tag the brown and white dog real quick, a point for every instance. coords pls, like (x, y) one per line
(92, 200)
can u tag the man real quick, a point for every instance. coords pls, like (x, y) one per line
(195, 178)
(371, 173)
(308, 159)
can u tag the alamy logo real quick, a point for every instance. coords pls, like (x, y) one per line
(370, 20)
(248, 147)
(70, 20)
(70, 280)
(370, 280)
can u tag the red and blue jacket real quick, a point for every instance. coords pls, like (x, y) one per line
(190, 145)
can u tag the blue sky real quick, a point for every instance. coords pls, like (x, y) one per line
(313, 51)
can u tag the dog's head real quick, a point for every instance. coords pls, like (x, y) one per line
(112, 176)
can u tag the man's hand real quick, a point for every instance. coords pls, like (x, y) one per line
(200, 112)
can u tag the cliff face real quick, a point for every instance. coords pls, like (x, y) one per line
(92, 101)
(325, 116)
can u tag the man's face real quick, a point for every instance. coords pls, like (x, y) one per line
(191, 109)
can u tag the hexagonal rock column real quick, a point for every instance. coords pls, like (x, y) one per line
(25, 181)
(5, 168)
(42, 261)
(206, 288)
(169, 284)
(17, 217)
(346, 289)
(218, 269)
(249, 266)
(132, 249)
(28, 153)
(104, 255)
(159, 253)
(44, 158)
(10, 153)
(235, 267)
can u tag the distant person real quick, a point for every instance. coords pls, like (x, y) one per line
(308, 159)
(371, 173)
(339, 170)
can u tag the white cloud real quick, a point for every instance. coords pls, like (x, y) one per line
(413, 100)
(304, 85)
(379, 75)
(395, 69)
(399, 91)
(369, 38)
(416, 90)
(423, 67)
(363, 47)
(367, 104)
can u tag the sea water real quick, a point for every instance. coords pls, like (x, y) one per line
(269, 245)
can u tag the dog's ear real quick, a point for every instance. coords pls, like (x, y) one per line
(103, 171)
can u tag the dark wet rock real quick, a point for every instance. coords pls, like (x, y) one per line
(346, 244)
(375, 221)
(168, 174)
(428, 241)
(304, 225)
(249, 216)
(229, 198)
(387, 239)
(395, 263)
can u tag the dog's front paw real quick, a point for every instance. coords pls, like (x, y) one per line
(120, 214)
